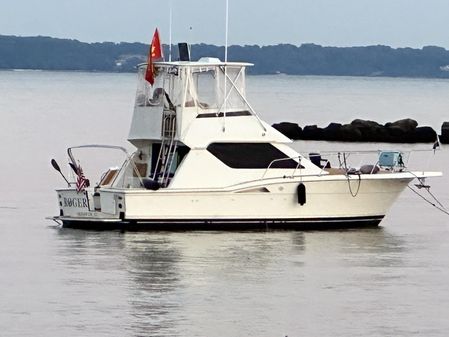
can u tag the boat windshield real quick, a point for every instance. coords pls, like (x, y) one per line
(208, 89)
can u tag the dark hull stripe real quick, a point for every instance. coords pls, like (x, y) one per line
(232, 224)
(228, 114)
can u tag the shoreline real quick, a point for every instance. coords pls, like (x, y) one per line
(47, 53)
(23, 70)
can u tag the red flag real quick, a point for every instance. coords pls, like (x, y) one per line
(155, 53)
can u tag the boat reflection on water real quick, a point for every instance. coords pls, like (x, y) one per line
(167, 283)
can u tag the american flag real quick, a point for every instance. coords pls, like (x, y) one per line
(81, 181)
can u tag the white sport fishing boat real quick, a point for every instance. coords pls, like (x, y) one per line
(205, 160)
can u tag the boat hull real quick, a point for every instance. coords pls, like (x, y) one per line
(228, 224)
(328, 204)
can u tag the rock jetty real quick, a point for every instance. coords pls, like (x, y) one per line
(359, 130)
(444, 138)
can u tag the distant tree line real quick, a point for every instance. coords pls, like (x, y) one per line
(308, 59)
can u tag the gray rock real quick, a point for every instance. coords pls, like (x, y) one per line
(425, 134)
(444, 138)
(371, 131)
(290, 130)
(406, 125)
(365, 124)
(312, 132)
(349, 133)
(331, 132)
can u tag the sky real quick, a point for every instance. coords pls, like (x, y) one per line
(397, 23)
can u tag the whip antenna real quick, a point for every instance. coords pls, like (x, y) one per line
(227, 28)
(225, 67)
(170, 30)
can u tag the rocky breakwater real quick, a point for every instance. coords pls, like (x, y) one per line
(444, 137)
(359, 130)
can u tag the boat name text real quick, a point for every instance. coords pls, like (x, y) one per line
(75, 202)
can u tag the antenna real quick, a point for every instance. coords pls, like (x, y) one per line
(190, 40)
(227, 28)
(225, 67)
(170, 30)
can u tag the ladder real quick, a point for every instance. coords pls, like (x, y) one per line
(168, 148)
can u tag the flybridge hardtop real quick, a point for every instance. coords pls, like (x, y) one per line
(204, 159)
(203, 62)
(185, 92)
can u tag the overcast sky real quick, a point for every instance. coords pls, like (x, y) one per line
(398, 23)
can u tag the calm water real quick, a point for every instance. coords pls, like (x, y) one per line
(390, 281)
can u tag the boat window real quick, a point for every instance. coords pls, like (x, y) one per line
(181, 152)
(206, 89)
(209, 87)
(149, 95)
(231, 85)
(251, 155)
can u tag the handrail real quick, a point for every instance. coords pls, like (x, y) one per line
(346, 155)
(282, 159)
(111, 147)
(95, 146)
(272, 180)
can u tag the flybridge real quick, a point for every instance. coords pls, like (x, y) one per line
(171, 95)
(207, 84)
(187, 90)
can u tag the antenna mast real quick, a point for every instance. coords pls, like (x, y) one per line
(225, 67)
(227, 28)
(170, 30)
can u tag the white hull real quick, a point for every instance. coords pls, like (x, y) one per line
(329, 203)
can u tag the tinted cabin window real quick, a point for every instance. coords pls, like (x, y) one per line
(250, 155)
(181, 152)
